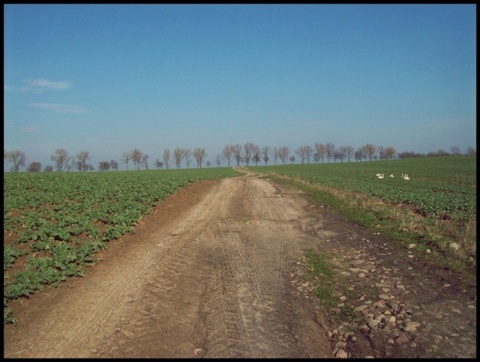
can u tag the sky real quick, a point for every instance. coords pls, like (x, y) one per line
(109, 78)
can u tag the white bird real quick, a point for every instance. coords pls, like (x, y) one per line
(378, 174)
(381, 175)
(406, 177)
(391, 175)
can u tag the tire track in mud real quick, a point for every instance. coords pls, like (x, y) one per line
(213, 284)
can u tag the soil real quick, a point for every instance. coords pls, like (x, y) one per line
(216, 271)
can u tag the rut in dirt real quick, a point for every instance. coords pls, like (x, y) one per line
(214, 283)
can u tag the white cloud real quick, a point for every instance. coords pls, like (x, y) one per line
(60, 107)
(38, 86)
(31, 129)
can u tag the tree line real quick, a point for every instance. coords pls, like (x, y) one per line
(232, 154)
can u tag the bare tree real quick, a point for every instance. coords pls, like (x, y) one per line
(227, 153)
(265, 155)
(237, 153)
(136, 155)
(339, 154)
(103, 166)
(370, 150)
(60, 157)
(158, 164)
(256, 154)
(348, 152)
(126, 157)
(247, 152)
(82, 158)
(48, 168)
(302, 153)
(292, 159)
(187, 154)
(362, 153)
(71, 163)
(455, 150)
(34, 167)
(471, 151)
(329, 151)
(218, 160)
(390, 153)
(275, 155)
(145, 160)
(178, 156)
(283, 153)
(320, 152)
(308, 152)
(114, 165)
(18, 159)
(166, 158)
(199, 154)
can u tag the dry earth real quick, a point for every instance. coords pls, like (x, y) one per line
(216, 271)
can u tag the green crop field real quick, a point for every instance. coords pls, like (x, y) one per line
(54, 223)
(439, 187)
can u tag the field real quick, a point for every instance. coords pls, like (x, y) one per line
(436, 207)
(54, 223)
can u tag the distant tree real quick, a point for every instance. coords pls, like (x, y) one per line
(103, 166)
(339, 154)
(208, 164)
(227, 153)
(158, 164)
(390, 153)
(237, 153)
(320, 151)
(363, 152)
(136, 155)
(308, 152)
(292, 159)
(248, 152)
(283, 153)
(126, 157)
(358, 155)
(329, 151)
(144, 160)
(60, 157)
(166, 158)
(370, 150)
(301, 152)
(114, 165)
(348, 150)
(381, 152)
(218, 160)
(455, 150)
(82, 158)
(275, 155)
(471, 151)
(440, 152)
(256, 154)
(178, 156)
(199, 154)
(48, 168)
(6, 155)
(71, 164)
(409, 154)
(187, 154)
(17, 159)
(265, 155)
(34, 167)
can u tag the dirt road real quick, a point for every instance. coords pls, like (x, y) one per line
(205, 276)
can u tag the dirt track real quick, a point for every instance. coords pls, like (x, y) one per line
(209, 279)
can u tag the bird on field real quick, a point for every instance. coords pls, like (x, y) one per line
(381, 176)
(378, 174)
(391, 175)
(406, 177)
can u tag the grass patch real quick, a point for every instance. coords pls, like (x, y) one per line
(398, 222)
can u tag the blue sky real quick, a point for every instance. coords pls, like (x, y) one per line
(109, 78)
